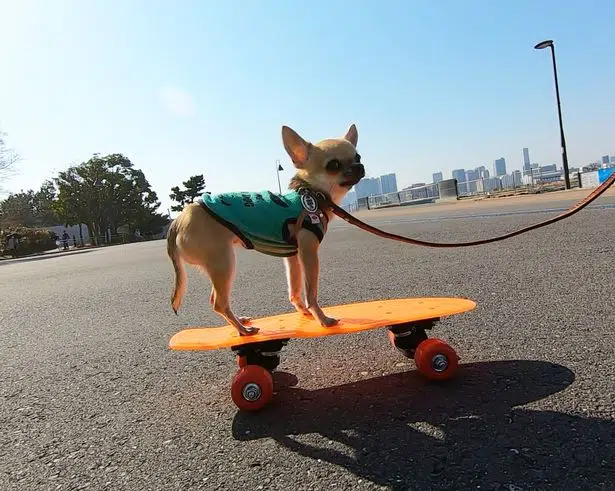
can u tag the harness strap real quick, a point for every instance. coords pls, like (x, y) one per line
(326, 203)
(305, 213)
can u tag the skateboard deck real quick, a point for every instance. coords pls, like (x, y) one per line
(353, 318)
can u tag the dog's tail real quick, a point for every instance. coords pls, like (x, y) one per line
(180, 272)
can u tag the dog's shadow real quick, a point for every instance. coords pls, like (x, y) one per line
(404, 432)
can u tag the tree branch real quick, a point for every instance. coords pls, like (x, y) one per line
(8, 159)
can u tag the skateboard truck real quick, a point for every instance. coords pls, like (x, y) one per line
(407, 336)
(263, 353)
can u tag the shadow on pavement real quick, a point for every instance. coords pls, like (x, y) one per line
(404, 432)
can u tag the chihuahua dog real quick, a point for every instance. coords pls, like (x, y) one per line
(290, 225)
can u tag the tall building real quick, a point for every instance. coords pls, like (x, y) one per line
(605, 159)
(482, 172)
(517, 178)
(460, 175)
(368, 186)
(500, 167)
(437, 177)
(526, 162)
(472, 175)
(548, 168)
(507, 181)
(388, 183)
(349, 198)
(472, 178)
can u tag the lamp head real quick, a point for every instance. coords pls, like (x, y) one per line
(544, 44)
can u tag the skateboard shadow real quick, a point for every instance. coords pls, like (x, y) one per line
(404, 432)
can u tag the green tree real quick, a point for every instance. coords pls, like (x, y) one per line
(70, 204)
(30, 208)
(106, 193)
(17, 209)
(152, 223)
(193, 188)
(43, 205)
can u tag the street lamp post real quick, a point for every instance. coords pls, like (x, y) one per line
(278, 169)
(549, 44)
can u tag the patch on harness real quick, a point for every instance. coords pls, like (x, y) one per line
(309, 203)
(314, 217)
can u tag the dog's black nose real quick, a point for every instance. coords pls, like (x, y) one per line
(360, 170)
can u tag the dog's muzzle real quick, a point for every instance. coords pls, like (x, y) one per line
(353, 174)
(359, 170)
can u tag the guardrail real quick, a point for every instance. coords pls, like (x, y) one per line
(478, 187)
(415, 195)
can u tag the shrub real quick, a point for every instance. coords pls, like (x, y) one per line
(30, 241)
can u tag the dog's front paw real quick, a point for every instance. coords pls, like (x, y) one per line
(302, 309)
(328, 322)
(300, 306)
(248, 331)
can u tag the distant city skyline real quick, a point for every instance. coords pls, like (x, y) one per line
(471, 181)
(526, 168)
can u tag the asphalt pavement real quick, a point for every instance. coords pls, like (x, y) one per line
(91, 397)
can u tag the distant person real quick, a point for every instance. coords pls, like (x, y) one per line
(65, 239)
(12, 242)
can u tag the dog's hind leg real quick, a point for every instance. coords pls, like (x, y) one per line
(222, 273)
(241, 318)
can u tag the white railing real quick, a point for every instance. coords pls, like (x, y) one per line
(417, 194)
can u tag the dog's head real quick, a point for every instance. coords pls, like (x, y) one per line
(332, 165)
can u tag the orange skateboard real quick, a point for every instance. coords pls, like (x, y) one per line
(258, 355)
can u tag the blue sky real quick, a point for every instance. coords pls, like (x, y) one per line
(192, 87)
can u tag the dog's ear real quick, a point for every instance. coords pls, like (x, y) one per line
(352, 135)
(296, 147)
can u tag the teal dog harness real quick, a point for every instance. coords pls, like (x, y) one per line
(261, 220)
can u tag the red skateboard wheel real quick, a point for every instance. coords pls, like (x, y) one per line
(436, 360)
(252, 388)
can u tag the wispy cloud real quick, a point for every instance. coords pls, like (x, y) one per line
(178, 102)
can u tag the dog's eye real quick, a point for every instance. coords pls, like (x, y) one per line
(333, 165)
(357, 158)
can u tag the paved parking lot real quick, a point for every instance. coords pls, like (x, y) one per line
(92, 398)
